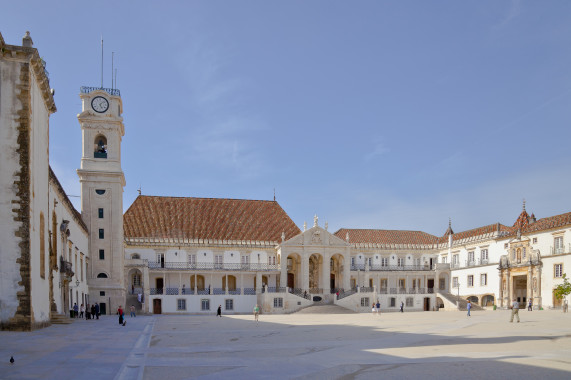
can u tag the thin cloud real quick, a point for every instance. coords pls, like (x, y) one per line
(513, 11)
(379, 149)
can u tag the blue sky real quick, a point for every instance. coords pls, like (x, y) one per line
(371, 114)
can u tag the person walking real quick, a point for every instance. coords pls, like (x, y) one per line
(133, 311)
(75, 310)
(81, 311)
(219, 311)
(469, 306)
(93, 311)
(530, 305)
(122, 320)
(401, 307)
(256, 312)
(97, 309)
(515, 311)
(87, 311)
(378, 307)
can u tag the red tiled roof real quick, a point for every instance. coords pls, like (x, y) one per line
(386, 236)
(547, 223)
(476, 232)
(522, 220)
(207, 218)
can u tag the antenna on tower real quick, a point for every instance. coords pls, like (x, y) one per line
(102, 61)
(115, 78)
(112, 71)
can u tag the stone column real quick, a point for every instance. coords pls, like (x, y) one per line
(304, 271)
(347, 269)
(283, 271)
(258, 282)
(326, 275)
(538, 297)
(529, 289)
(501, 294)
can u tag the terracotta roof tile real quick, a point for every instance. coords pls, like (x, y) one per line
(476, 232)
(207, 218)
(546, 223)
(386, 236)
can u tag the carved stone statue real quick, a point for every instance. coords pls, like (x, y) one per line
(315, 219)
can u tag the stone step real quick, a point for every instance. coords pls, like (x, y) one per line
(60, 319)
(325, 309)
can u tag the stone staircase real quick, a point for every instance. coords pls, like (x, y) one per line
(60, 319)
(132, 300)
(461, 302)
(325, 309)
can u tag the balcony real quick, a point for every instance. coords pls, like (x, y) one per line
(66, 268)
(387, 268)
(212, 266)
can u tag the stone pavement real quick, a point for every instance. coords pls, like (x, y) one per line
(305, 346)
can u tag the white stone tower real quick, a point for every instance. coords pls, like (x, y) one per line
(102, 183)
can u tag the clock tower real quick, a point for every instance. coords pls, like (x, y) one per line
(102, 182)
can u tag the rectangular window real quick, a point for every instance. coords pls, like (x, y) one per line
(534, 240)
(246, 260)
(352, 261)
(229, 304)
(205, 304)
(384, 283)
(278, 302)
(101, 233)
(81, 263)
(218, 259)
(101, 254)
(402, 283)
(483, 279)
(401, 261)
(505, 245)
(181, 304)
(471, 258)
(100, 211)
(558, 243)
(455, 261)
(409, 302)
(455, 282)
(191, 259)
(558, 270)
(484, 255)
(385, 261)
(364, 301)
(444, 259)
(471, 280)
(370, 262)
(101, 294)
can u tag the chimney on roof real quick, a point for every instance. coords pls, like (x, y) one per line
(27, 40)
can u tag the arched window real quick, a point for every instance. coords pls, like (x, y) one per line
(100, 149)
(101, 275)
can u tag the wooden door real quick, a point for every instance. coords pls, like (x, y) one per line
(290, 280)
(157, 307)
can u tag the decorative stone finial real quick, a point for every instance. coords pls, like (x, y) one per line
(315, 220)
(347, 237)
(27, 40)
(326, 225)
(283, 236)
(523, 204)
(304, 226)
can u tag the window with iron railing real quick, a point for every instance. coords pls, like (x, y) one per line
(558, 244)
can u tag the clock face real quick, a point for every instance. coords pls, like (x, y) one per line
(99, 104)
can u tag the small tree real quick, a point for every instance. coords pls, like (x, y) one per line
(563, 290)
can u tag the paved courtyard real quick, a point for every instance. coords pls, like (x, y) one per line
(297, 346)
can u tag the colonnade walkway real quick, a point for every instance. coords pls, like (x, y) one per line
(447, 345)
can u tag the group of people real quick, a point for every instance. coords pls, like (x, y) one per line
(89, 311)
